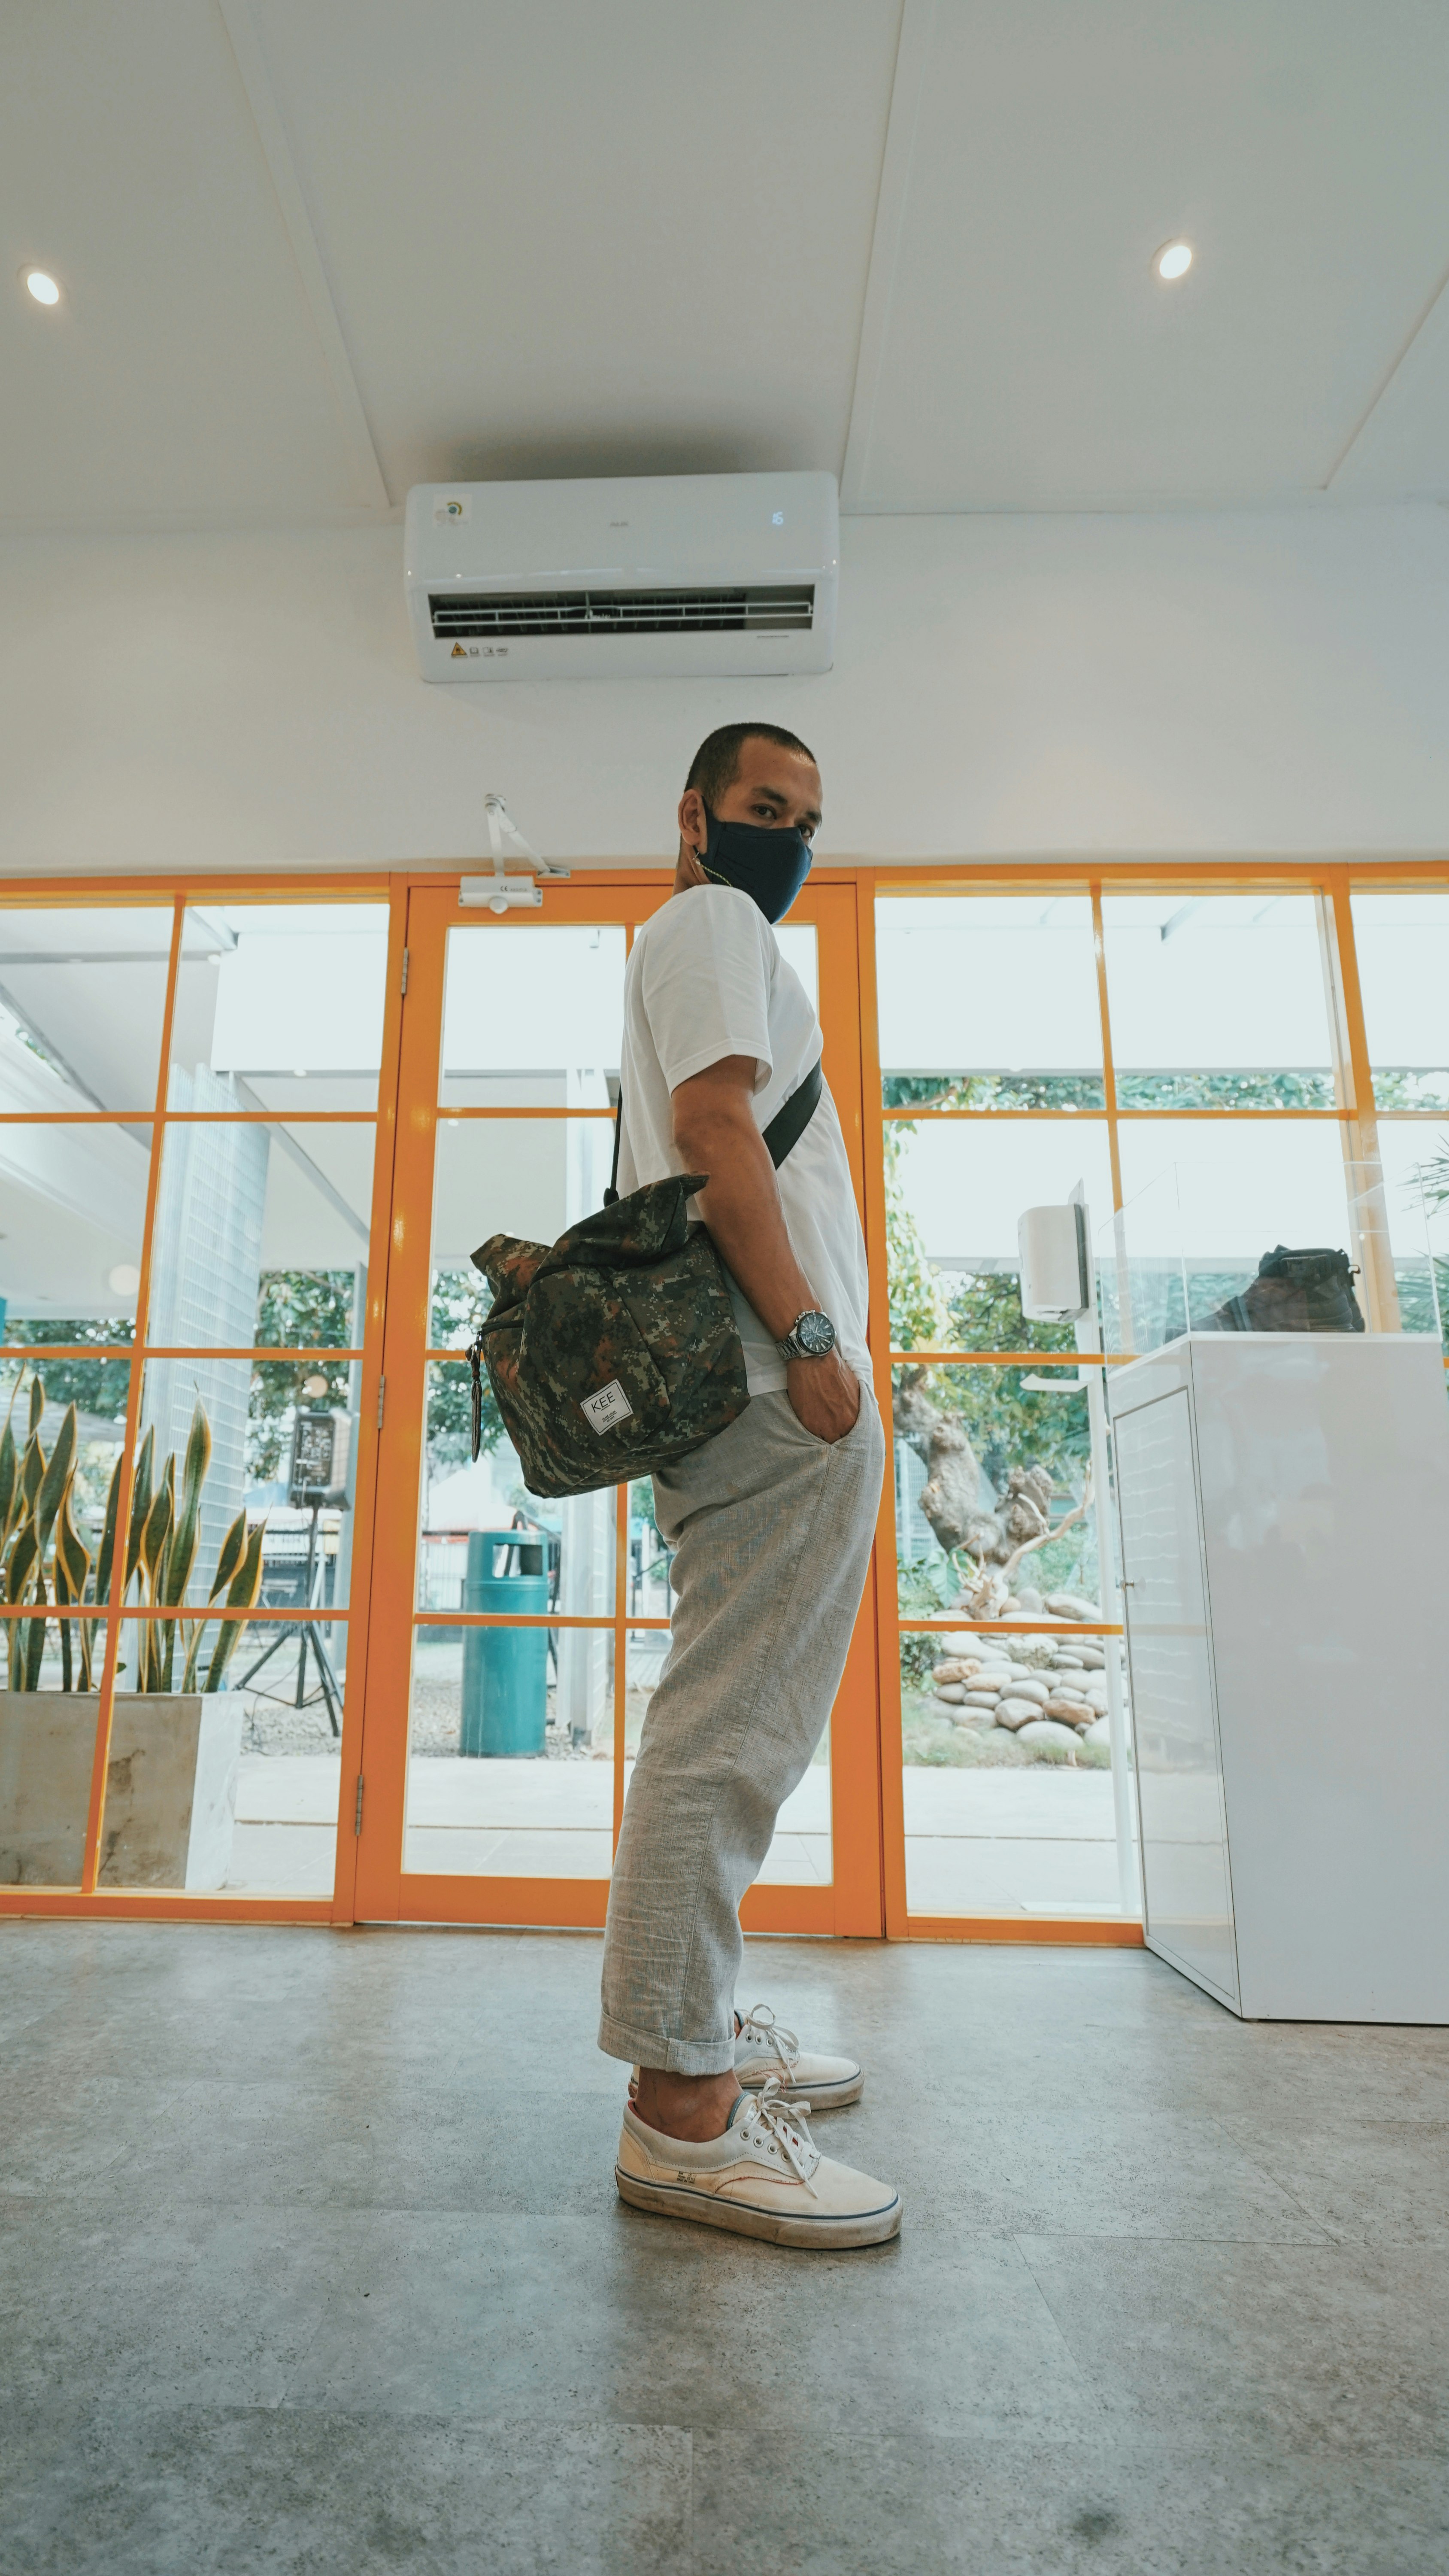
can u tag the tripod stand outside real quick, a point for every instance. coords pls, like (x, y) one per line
(318, 1482)
(308, 1631)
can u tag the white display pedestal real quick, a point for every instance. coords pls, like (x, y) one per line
(1284, 1506)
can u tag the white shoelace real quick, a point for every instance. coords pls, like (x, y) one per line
(784, 2125)
(761, 2025)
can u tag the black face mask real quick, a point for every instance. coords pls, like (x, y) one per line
(768, 865)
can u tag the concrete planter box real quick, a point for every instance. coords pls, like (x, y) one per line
(170, 1787)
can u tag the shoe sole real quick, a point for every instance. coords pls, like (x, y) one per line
(821, 2235)
(821, 2097)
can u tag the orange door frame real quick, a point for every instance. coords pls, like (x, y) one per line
(383, 1889)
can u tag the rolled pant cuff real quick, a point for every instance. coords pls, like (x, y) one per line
(669, 2056)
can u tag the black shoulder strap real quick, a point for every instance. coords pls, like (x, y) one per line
(781, 1136)
(789, 1124)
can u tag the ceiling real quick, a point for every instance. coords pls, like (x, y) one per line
(314, 251)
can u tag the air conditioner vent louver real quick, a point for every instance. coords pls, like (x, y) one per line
(764, 609)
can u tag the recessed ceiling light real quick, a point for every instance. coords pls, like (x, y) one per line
(42, 286)
(1173, 260)
(125, 1279)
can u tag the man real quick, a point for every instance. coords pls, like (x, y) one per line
(771, 1522)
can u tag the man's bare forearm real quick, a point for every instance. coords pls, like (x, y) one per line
(715, 1131)
(742, 1209)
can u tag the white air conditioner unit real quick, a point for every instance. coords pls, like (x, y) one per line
(709, 576)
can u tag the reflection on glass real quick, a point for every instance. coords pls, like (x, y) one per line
(1402, 943)
(1008, 1791)
(517, 999)
(279, 1006)
(525, 1176)
(82, 997)
(72, 1216)
(994, 1510)
(955, 1193)
(1204, 1205)
(988, 1001)
(1217, 1001)
(261, 1234)
(47, 1749)
(1414, 1158)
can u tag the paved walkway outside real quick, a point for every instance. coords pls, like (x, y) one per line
(977, 1842)
(312, 2265)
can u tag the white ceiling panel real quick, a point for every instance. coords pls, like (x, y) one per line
(1028, 356)
(316, 250)
(181, 376)
(592, 240)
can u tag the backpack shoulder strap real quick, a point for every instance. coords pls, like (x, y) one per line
(781, 1136)
(789, 1124)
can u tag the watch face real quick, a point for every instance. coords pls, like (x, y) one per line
(815, 1335)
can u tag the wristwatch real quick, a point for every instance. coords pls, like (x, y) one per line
(811, 1337)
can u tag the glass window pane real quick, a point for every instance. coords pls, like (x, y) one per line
(48, 1711)
(955, 1191)
(500, 1780)
(460, 1496)
(1414, 1156)
(525, 1176)
(262, 1233)
(989, 1464)
(1217, 1001)
(72, 1217)
(516, 997)
(799, 948)
(988, 1001)
(283, 1453)
(1402, 940)
(1204, 1202)
(82, 999)
(51, 1669)
(1008, 1788)
(279, 1006)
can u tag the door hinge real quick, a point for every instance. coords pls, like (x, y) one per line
(357, 1812)
(381, 1399)
(405, 970)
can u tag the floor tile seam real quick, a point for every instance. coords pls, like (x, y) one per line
(1322, 2244)
(1266, 2174)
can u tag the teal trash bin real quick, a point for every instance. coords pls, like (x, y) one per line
(505, 1670)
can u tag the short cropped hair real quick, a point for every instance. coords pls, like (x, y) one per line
(716, 764)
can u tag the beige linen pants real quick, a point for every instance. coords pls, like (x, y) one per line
(772, 1531)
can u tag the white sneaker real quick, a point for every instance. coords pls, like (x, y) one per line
(765, 2177)
(763, 2049)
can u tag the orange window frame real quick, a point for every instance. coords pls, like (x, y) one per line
(868, 1897)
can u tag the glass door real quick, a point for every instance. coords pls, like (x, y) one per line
(514, 1641)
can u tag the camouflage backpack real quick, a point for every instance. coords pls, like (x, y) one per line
(615, 1351)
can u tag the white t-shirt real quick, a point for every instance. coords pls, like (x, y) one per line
(705, 980)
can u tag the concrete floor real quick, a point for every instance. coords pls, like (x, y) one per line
(313, 2263)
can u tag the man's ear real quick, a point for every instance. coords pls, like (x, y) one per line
(693, 821)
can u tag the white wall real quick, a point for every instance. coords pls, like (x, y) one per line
(1217, 684)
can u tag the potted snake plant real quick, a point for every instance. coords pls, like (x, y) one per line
(176, 1730)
